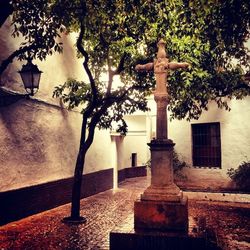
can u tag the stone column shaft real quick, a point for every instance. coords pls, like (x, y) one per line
(161, 115)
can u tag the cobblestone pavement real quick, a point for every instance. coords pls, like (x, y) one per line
(106, 210)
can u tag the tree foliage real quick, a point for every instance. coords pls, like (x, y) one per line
(210, 35)
(110, 46)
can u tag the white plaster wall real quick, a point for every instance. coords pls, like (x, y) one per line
(120, 152)
(135, 144)
(235, 133)
(136, 123)
(234, 125)
(99, 154)
(39, 143)
(136, 140)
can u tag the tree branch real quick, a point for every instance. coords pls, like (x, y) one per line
(16, 53)
(95, 119)
(85, 63)
(120, 67)
(112, 73)
(123, 94)
(107, 102)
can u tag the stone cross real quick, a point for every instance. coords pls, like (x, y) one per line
(162, 205)
(160, 66)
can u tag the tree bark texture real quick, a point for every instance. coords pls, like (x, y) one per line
(85, 143)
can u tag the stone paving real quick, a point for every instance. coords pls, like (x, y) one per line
(106, 210)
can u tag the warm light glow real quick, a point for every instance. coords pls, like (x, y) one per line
(116, 81)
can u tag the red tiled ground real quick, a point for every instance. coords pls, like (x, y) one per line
(104, 211)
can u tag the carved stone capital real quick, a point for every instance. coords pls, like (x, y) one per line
(162, 99)
(161, 144)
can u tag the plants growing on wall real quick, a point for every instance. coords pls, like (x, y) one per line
(178, 166)
(241, 175)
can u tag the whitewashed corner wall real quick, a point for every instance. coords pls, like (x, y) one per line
(39, 139)
(136, 140)
(39, 143)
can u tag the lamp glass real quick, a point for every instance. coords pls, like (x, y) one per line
(30, 79)
(30, 75)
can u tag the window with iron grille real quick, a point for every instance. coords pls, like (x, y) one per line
(206, 145)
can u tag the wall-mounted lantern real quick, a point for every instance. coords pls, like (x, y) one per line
(30, 75)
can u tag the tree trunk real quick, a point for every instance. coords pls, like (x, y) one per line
(77, 180)
(75, 216)
(77, 184)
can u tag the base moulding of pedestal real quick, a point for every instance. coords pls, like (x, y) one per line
(125, 237)
(161, 215)
(158, 241)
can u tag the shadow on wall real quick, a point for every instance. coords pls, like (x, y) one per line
(22, 149)
(68, 137)
(38, 144)
(22, 137)
(10, 77)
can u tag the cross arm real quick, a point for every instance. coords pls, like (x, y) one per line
(178, 65)
(144, 67)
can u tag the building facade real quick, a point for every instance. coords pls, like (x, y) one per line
(217, 141)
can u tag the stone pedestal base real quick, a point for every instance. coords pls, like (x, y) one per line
(125, 237)
(158, 241)
(161, 215)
